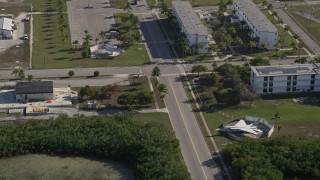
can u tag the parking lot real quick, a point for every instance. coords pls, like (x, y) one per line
(95, 19)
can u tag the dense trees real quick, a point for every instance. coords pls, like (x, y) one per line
(275, 158)
(149, 147)
(143, 98)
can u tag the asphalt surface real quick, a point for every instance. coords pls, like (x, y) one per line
(194, 149)
(295, 27)
(96, 19)
(152, 33)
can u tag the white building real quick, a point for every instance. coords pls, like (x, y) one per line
(6, 28)
(35, 91)
(285, 78)
(191, 25)
(261, 28)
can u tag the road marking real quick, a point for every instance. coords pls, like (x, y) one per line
(180, 68)
(174, 94)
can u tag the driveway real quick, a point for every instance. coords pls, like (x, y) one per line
(96, 19)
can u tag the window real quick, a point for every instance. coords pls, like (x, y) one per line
(311, 88)
(288, 83)
(271, 78)
(288, 89)
(265, 84)
(313, 76)
(265, 78)
(295, 77)
(264, 90)
(270, 89)
(294, 89)
(270, 84)
(312, 82)
(294, 83)
(288, 77)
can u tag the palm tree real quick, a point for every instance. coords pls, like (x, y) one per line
(15, 72)
(21, 74)
(163, 90)
(252, 44)
(276, 117)
(86, 40)
(156, 71)
(294, 46)
(127, 7)
(102, 35)
(265, 45)
(278, 46)
(238, 41)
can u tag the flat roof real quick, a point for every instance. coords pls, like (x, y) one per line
(255, 16)
(5, 23)
(36, 87)
(285, 70)
(189, 18)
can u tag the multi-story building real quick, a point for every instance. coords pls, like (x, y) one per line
(191, 25)
(285, 78)
(251, 17)
(6, 28)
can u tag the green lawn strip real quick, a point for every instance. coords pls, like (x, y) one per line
(157, 117)
(152, 3)
(43, 5)
(119, 4)
(302, 8)
(15, 10)
(281, 32)
(258, 1)
(311, 26)
(50, 52)
(297, 119)
(160, 100)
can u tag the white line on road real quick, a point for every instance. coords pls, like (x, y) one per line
(174, 94)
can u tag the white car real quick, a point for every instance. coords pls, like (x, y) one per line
(25, 37)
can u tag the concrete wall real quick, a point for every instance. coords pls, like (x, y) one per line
(40, 97)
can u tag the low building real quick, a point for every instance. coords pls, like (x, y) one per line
(6, 28)
(191, 25)
(34, 91)
(250, 17)
(285, 78)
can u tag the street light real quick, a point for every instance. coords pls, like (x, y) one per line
(311, 12)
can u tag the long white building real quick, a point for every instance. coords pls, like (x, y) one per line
(260, 26)
(191, 25)
(285, 78)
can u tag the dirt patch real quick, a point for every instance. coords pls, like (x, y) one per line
(37, 166)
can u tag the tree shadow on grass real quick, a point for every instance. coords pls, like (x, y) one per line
(48, 30)
(75, 59)
(61, 58)
(51, 47)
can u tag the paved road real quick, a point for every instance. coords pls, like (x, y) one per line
(194, 149)
(294, 26)
(152, 33)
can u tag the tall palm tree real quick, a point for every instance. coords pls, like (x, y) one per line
(163, 90)
(252, 44)
(276, 117)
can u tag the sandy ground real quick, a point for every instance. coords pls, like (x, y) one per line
(37, 166)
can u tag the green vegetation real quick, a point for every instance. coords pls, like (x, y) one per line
(149, 147)
(194, 2)
(119, 4)
(157, 93)
(36, 166)
(51, 51)
(275, 158)
(43, 5)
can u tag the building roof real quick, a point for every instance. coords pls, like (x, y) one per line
(285, 70)
(5, 23)
(189, 18)
(36, 87)
(255, 16)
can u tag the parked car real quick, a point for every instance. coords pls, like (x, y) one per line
(89, 6)
(25, 37)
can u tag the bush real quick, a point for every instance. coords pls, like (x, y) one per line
(85, 54)
(150, 148)
(96, 73)
(71, 73)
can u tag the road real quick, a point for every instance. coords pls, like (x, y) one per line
(295, 27)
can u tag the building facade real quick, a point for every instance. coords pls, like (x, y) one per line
(191, 25)
(6, 28)
(261, 29)
(285, 78)
(34, 91)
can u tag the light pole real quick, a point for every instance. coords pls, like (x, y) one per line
(311, 12)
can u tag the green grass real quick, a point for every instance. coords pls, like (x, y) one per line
(152, 3)
(15, 10)
(297, 119)
(35, 166)
(158, 117)
(302, 8)
(50, 52)
(313, 27)
(160, 101)
(258, 1)
(119, 4)
(43, 5)
(193, 2)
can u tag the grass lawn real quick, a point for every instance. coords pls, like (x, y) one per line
(306, 23)
(119, 4)
(43, 5)
(302, 8)
(15, 10)
(36, 166)
(158, 117)
(196, 2)
(152, 3)
(50, 52)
